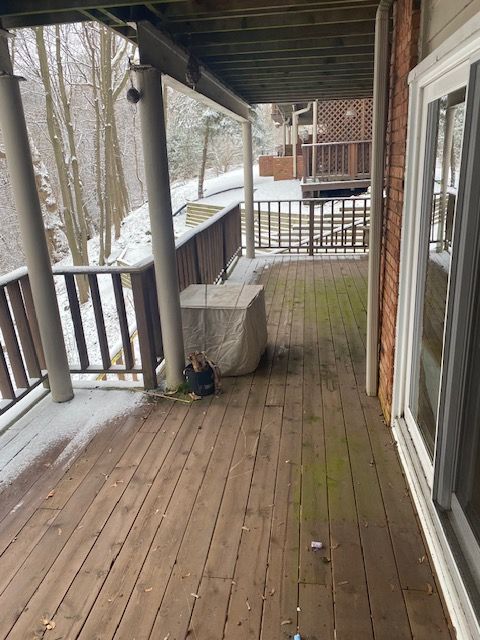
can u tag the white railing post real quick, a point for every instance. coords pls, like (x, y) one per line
(29, 211)
(314, 138)
(160, 209)
(248, 189)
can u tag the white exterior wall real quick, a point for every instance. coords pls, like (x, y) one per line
(441, 18)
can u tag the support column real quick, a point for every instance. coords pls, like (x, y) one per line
(284, 132)
(294, 141)
(161, 222)
(380, 79)
(314, 138)
(27, 203)
(248, 189)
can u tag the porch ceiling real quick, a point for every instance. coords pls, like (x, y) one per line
(265, 50)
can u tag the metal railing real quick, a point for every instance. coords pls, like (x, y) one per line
(129, 324)
(337, 160)
(315, 225)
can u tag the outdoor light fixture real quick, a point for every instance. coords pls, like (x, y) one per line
(133, 95)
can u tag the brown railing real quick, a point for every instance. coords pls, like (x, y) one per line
(337, 161)
(122, 311)
(22, 364)
(205, 253)
(316, 225)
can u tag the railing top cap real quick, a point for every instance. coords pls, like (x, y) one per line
(333, 144)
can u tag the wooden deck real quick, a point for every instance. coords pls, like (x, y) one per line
(196, 521)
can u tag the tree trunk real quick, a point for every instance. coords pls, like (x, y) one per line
(56, 139)
(203, 164)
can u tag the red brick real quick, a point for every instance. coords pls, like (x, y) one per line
(403, 59)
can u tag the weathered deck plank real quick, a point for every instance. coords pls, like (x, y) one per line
(196, 521)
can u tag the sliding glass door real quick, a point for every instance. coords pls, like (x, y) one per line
(442, 396)
(444, 134)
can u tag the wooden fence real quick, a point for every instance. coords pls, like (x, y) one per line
(203, 256)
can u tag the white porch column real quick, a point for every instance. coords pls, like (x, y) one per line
(380, 79)
(248, 189)
(314, 137)
(160, 209)
(284, 133)
(294, 141)
(19, 161)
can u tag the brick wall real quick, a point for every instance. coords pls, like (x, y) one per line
(265, 165)
(283, 167)
(406, 15)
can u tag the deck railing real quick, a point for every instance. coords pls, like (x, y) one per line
(316, 225)
(121, 315)
(337, 161)
(22, 363)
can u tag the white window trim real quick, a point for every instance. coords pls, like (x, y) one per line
(457, 52)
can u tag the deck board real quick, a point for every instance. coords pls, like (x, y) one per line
(196, 521)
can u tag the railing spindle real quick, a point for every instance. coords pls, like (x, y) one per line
(77, 321)
(6, 386)
(11, 342)
(122, 319)
(99, 320)
(23, 329)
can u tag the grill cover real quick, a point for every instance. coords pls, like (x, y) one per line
(228, 322)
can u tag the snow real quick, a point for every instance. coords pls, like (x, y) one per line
(69, 425)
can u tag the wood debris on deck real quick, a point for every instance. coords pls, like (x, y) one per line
(197, 521)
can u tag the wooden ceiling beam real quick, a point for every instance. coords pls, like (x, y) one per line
(159, 51)
(280, 34)
(295, 98)
(259, 87)
(305, 81)
(300, 71)
(324, 46)
(284, 19)
(31, 7)
(286, 63)
(191, 9)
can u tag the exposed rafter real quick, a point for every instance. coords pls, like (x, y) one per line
(259, 50)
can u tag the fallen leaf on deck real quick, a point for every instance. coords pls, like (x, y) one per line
(148, 589)
(248, 605)
(421, 560)
(195, 595)
(429, 589)
(272, 591)
(245, 529)
(284, 622)
(51, 494)
(49, 624)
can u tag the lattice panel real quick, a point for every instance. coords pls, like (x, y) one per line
(345, 120)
